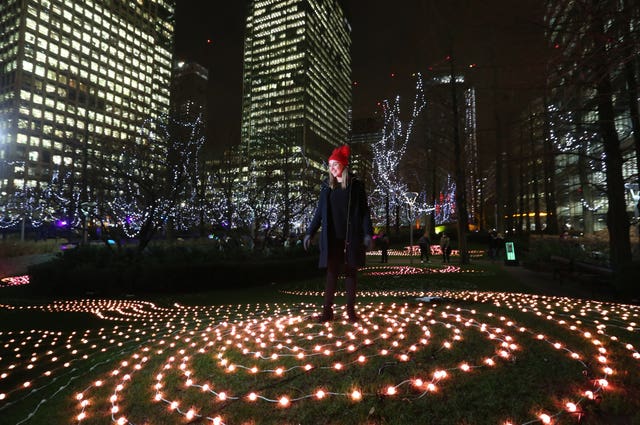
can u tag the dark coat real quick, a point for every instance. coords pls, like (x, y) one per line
(359, 226)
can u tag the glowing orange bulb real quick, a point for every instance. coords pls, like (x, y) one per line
(284, 401)
(320, 394)
(79, 396)
(571, 407)
(391, 390)
(253, 397)
(431, 387)
(173, 405)
(122, 420)
(546, 419)
(217, 420)
(190, 414)
(98, 383)
(222, 396)
(158, 397)
(337, 366)
(603, 383)
(114, 409)
(465, 367)
(356, 395)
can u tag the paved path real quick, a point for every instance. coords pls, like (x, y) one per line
(544, 283)
(16, 266)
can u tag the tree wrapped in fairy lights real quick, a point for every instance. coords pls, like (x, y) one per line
(154, 179)
(390, 188)
(271, 200)
(445, 205)
(577, 144)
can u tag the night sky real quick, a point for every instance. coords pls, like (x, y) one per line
(503, 38)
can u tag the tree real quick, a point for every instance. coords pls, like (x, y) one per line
(592, 55)
(153, 176)
(388, 152)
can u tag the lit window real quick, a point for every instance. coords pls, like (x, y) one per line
(27, 66)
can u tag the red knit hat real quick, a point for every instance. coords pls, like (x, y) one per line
(341, 155)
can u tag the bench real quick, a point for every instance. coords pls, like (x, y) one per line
(578, 270)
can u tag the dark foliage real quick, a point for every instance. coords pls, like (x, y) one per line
(97, 271)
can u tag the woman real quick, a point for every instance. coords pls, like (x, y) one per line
(343, 214)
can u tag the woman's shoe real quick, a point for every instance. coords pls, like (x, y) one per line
(327, 315)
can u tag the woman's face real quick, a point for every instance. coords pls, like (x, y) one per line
(335, 168)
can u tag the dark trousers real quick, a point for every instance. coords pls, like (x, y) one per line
(336, 264)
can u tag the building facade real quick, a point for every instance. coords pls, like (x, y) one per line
(592, 105)
(297, 78)
(77, 80)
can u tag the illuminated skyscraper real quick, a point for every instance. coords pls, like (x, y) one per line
(77, 79)
(297, 79)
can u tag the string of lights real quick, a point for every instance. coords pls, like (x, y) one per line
(278, 342)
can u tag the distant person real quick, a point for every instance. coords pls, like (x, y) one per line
(343, 214)
(425, 247)
(493, 246)
(383, 240)
(445, 247)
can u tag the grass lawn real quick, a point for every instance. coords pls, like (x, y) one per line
(479, 351)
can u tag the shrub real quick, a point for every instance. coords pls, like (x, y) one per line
(103, 272)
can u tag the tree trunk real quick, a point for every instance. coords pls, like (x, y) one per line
(585, 185)
(534, 178)
(461, 187)
(549, 176)
(617, 218)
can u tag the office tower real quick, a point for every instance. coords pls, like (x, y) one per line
(296, 82)
(189, 91)
(77, 80)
